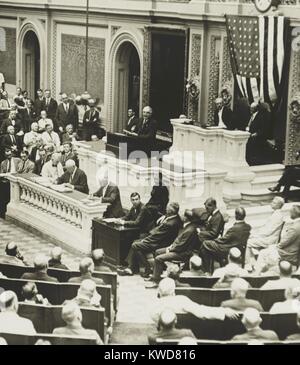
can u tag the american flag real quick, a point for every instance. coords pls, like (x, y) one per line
(257, 47)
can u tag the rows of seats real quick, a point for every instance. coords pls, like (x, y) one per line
(25, 340)
(167, 342)
(63, 276)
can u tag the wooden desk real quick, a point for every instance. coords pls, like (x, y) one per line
(114, 240)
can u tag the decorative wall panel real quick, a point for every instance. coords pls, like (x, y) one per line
(8, 55)
(193, 108)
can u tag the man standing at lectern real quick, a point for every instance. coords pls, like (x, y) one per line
(223, 117)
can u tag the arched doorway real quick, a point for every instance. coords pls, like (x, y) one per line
(31, 63)
(127, 84)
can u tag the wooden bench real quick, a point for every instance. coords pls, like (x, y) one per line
(214, 297)
(46, 318)
(22, 340)
(166, 342)
(58, 293)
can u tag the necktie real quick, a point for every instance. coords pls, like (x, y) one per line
(67, 108)
(9, 166)
(13, 139)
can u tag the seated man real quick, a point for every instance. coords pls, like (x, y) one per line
(70, 135)
(56, 257)
(268, 234)
(296, 336)
(238, 301)
(98, 259)
(53, 169)
(10, 321)
(40, 264)
(74, 178)
(195, 268)
(236, 236)
(51, 137)
(285, 279)
(25, 166)
(12, 255)
(86, 268)
(167, 299)
(227, 279)
(166, 328)
(234, 261)
(173, 272)
(289, 177)
(252, 320)
(181, 249)
(31, 295)
(291, 304)
(214, 225)
(87, 295)
(138, 216)
(161, 236)
(68, 154)
(72, 316)
(110, 194)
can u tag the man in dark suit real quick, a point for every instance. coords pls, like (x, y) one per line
(39, 103)
(74, 178)
(181, 249)
(41, 265)
(40, 162)
(49, 105)
(13, 120)
(68, 154)
(110, 194)
(91, 122)
(160, 237)
(56, 258)
(166, 328)
(236, 236)
(223, 117)
(214, 225)
(11, 141)
(132, 121)
(67, 113)
(258, 134)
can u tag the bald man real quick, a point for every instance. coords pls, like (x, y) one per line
(236, 236)
(86, 268)
(252, 320)
(74, 178)
(12, 255)
(166, 328)
(56, 257)
(40, 264)
(285, 280)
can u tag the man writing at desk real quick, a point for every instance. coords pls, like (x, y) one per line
(74, 178)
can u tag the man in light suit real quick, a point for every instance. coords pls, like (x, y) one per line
(50, 137)
(74, 178)
(67, 113)
(236, 236)
(110, 194)
(25, 166)
(266, 235)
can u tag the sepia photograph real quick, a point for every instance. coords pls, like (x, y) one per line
(149, 175)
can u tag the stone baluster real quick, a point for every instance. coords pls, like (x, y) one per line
(23, 194)
(72, 215)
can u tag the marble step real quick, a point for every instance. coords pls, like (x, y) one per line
(264, 182)
(267, 170)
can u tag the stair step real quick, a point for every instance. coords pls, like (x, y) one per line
(264, 182)
(268, 170)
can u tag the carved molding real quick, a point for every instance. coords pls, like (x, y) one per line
(226, 76)
(54, 58)
(193, 108)
(147, 50)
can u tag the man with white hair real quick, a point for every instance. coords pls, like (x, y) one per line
(31, 138)
(72, 316)
(53, 169)
(40, 264)
(74, 178)
(87, 295)
(167, 299)
(10, 321)
(291, 303)
(86, 268)
(252, 320)
(56, 257)
(268, 234)
(238, 301)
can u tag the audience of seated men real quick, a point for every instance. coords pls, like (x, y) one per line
(98, 257)
(10, 321)
(72, 316)
(87, 295)
(166, 328)
(291, 302)
(110, 194)
(56, 258)
(214, 224)
(268, 234)
(40, 264)
(236, 236)
(31, 295)
(74, 178)
(295, 336)
(285, 280)
(86, 268)
(173, 272)
(159, 237)
(182, 248)
(167, 299)
(12, 255)
(234, 262)
(238, 301)
(252, 320)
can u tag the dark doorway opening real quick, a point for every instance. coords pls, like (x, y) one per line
(31, 63)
